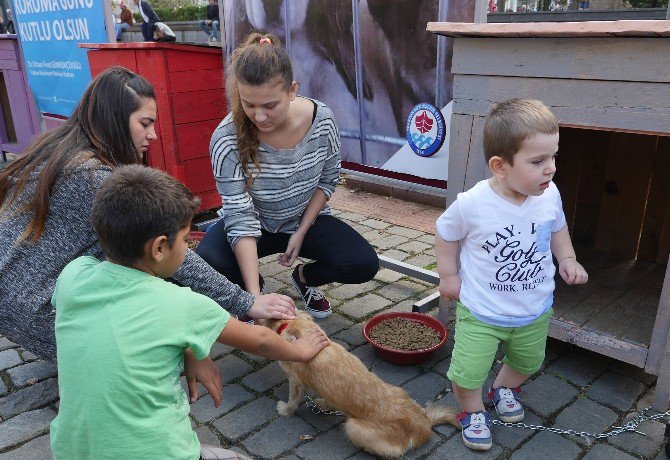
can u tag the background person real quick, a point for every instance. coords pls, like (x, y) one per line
(149, 18)
(210, 24)
(162, 33)
(46, 197)
(276, 161)
(126, 18)
(122, 331)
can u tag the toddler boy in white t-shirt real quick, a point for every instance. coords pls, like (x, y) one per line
(506, 229)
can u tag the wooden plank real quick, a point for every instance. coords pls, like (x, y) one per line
(197, 80)
(9, 64)
(657, 205)
(99, 60)
(605, 345)
(477, 169)
(198, 106)
(209, 200)
(567, 177)
(628, 106)
(592, 151)
(427, 303)
(194, 59)
(633, 59)
(193, 139)
(198, 175)
(631, 316)
(420, 273)
(459, 148)
(628, 28)
(660, 338)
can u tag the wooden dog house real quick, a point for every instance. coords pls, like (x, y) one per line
(609, 85)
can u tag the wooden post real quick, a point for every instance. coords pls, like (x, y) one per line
(480, 11)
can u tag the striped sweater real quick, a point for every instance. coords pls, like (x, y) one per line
(287, 179)
(28, 271)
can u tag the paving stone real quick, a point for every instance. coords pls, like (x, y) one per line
(335, 443)
(414, 247)
(578, 368)
(389, 241)
(376, 224)
(38, 370)
(395, 254)
(454, 448)
(427, 238)
(349, 291)
(401, 290)
(605, 452)
(632, 371)
(547, 446)
(244, 420)
(395, 374)
(38, 448)
(442, 367)
(421, 260)
(219, 349)
(280, 435)
(510, 437)
(361, 455)
(353, 335)
(546, 394)
(27, 356)
(24, 427)
(363, 306)
(425, 449)
(5, 343)
(615, 390)
(404, 231)
(585, 415)
(360, 228)
(231, 367)
(321, 422)
(9, 358)
(206, 436)
(388, 276)
(644, 446)
(334, 324)
(32, 397)
(273, 269)
(426, 387)
(265, 378)
(352, 216)
(375, 236)
(273, 285)
(203, 409)
(3, 388)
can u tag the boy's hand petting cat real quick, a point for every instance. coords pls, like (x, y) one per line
(572, 271)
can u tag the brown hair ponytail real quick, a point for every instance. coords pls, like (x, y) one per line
(259, 60)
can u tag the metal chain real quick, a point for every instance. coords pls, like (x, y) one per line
(616, 430)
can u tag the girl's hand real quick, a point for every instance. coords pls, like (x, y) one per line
(572, 271)
(450, 287)
(311, 344)
(292, 250)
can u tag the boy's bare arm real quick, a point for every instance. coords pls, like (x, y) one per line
(446, 253)
(263, 341)
(570, 270)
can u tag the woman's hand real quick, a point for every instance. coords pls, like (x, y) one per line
(292, 250)
(311, 344)
(205, 372)
(269, 306)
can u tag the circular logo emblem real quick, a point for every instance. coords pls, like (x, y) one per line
(425, 129)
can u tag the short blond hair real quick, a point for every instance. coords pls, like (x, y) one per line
(511, 122)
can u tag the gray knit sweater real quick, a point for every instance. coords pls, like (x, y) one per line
(28, 271)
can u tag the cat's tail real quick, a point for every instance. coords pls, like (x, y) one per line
(439, 414)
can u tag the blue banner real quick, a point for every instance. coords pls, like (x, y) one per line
(49, 31)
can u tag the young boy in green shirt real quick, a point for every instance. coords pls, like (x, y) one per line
(124, 334)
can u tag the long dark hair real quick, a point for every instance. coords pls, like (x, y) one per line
(254, 62)
(99, 126)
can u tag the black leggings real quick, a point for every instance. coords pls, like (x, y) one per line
(340, 254)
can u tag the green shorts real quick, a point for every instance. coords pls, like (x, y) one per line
(476, 344)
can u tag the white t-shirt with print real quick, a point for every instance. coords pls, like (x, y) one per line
(507, 270)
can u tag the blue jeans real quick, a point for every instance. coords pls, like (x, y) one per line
(205, 28)
(120, 28)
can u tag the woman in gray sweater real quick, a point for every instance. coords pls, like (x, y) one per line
(46, 198)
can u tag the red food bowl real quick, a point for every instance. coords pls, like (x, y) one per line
(195, 235)
(401, 356)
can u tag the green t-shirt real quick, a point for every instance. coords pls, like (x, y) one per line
(120, 338)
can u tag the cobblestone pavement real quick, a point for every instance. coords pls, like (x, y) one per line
(575, 389)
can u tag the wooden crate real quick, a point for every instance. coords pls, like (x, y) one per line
(609, 85)
(190, 95)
